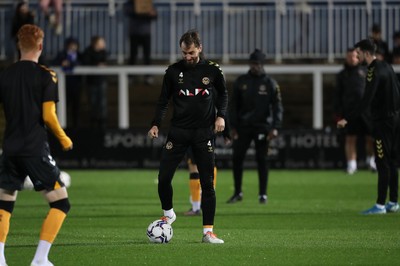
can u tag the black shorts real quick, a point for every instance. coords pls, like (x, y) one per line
(358, 127)
(42, 170)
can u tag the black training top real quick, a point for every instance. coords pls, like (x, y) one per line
(24, 86)
(197, 94)
(256, 102)
(382, 95)
(350, 87)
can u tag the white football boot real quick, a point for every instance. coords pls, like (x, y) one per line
(168, 219)
(211, 238)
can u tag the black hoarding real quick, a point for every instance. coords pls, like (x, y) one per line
(293, 149)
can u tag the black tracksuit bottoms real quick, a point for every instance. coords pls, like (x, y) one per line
(386, 135)
(240, 147)
(202, 144)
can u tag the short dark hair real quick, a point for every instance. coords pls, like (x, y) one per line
(366, 45)
(376, 28)
(257, 56)
(191, 37)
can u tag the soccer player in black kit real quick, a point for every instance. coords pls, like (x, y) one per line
(256, 115)
(199, 96)
(28, 92)
(382, 98)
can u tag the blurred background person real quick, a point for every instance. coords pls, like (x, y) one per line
(350, 87)
(68, 58)
(396, 46)
(55, 17)
(21, 17)
(141, 14)
(381, 45)
(194, 185)
(256, 115)
(96, 55)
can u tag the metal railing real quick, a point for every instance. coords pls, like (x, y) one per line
(123, 72)
(230, 29)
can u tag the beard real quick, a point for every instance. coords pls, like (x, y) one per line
(192, 63)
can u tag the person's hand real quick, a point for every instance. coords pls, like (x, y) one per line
(66, 143)
(227, 141)
(153, 132)
(234, 134)
(219, 124)
(341, 123)
(65, 63)
(68, 148)
(153, 12)
(272, 134)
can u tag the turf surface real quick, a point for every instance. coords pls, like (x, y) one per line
(312, 218)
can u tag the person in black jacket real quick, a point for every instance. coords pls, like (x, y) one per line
(68, 59)
(96, 55)
(21, 17)
(140, 21)
(256, 115)
(350, 85)
(382, 98)
(200, 98)
(382, 48)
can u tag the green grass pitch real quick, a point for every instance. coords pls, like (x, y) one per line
(312, 218)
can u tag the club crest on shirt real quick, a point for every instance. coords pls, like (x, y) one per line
(244, 87)
(169, 145)
(262, 90)
(205, 81)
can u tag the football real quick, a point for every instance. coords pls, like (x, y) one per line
(28, 185)
(159, 231)
(65, 178)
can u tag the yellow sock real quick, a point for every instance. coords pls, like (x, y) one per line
(52, 224)
(195, 189)
(215, 177)
(4, 225)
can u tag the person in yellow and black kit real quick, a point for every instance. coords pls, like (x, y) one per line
(28, 92)
(199, 96)
(256, 115)
(382, 99)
